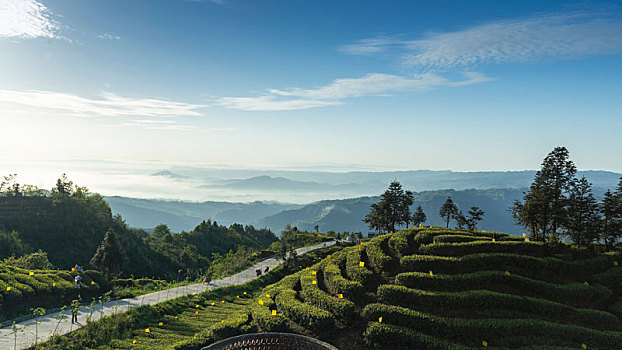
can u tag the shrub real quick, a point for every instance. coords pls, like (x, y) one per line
(575, 294)
(478, 247)
(611, 278)
(388, 336)
(354, 271)
(304, 314)
(336, 284)
(378, 259)
(500, 332)
(312, 294)
(400, 242)
(459, 238)
(484, 304)
(263, 318)
(550, 269)
(232, 326)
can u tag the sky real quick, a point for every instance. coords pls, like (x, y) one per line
(348, 85)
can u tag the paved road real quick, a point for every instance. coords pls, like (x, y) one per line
(58, 323)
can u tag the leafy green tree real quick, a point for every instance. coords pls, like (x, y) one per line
(610, 224)
(448, 211)
(161, 230)
(461, 221)
(475, 215)
(419, 216)
(110, 255)
(11, 244)
(37, 260)
(392, 210)
(543, 210)
(582, 222)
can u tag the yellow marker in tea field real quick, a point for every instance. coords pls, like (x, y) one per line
(197, 306)
(431, 273)
(314, 282)
(160, 324)
(313, 273)
(507, 273)
(53, 284)
(31, 273)
(420, 225)
(340, 296)
(362, 264)
(73, 269)
(222, 301)
(380, 319)
(260, 302)
(493, 240)
(583, 346)
(267, 295)
(273, 312)
(92, 283)
(134, 341)
(196, 312)
(244, 293)
(615, 263)
(485, 344)
(213, 303)
(237, 296)
(8, 289)
(147, 330)
(328, 256)
(524, 235)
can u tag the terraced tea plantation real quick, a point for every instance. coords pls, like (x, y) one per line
(450, 289)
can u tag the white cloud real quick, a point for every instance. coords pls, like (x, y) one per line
(560, 36)
(340, 89)
(109, 36)
(26, 19)
(110, 105)
(159, 125)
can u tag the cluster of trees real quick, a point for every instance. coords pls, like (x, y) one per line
(449, 210)
(74, 226)
(558, 204)
(393, 210)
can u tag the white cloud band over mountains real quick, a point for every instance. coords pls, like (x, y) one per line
(557, 36)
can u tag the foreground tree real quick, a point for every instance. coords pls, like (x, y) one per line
(543, 210)
(419, 216)
(392, 210)
(110, 255)
(582, 224)
(475, 215)
(448, 211)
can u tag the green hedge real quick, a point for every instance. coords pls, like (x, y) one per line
(459, 238)
(312, 294)
(497, 332)
(232, 326)
(487, 304)
(575, 294)
(549, 269)
(478, 247)
(611, 278)
(378, 259)
(401, 242)
(353, 270)
(263, 318)
(336, 284)
(304, 314)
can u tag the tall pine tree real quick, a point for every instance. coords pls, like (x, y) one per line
(110, 255)
(448, 211)
(582, 223)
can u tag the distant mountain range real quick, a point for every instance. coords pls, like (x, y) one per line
(353, 193)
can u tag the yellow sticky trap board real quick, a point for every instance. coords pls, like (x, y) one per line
(420, 225)
(328, 256)
(307, 268)
(147, 330)
(431, 273)
(493, 240)
(524, 235)
(507, 273)
(160, 324)
(31, 273)
(485, 344)
(583, 346)
(314, 282)
(92, 282)
(176, 317)
(267, 295)
(197, 306)
(260, 302)
(213, 303)
(362, 264)
(273, 312)
(359, 247)
(244, 293)
(313, 273)
(340, 296)
(380, 319)
(237, 296)
(8, 289)
(196, 312)
(222, 301)
(483, 230)
(134, 341)
(73, 269)
(53, 284)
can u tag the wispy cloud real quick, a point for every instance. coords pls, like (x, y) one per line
(109, 36)
(26, 19)
(340, 89)
(110, 105)
(558, 36)
(158, 125)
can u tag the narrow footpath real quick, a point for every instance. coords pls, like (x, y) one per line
(49, 324)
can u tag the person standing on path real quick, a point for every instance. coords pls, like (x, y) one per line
(75, 307)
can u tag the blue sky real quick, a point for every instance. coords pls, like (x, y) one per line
(460, 85)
